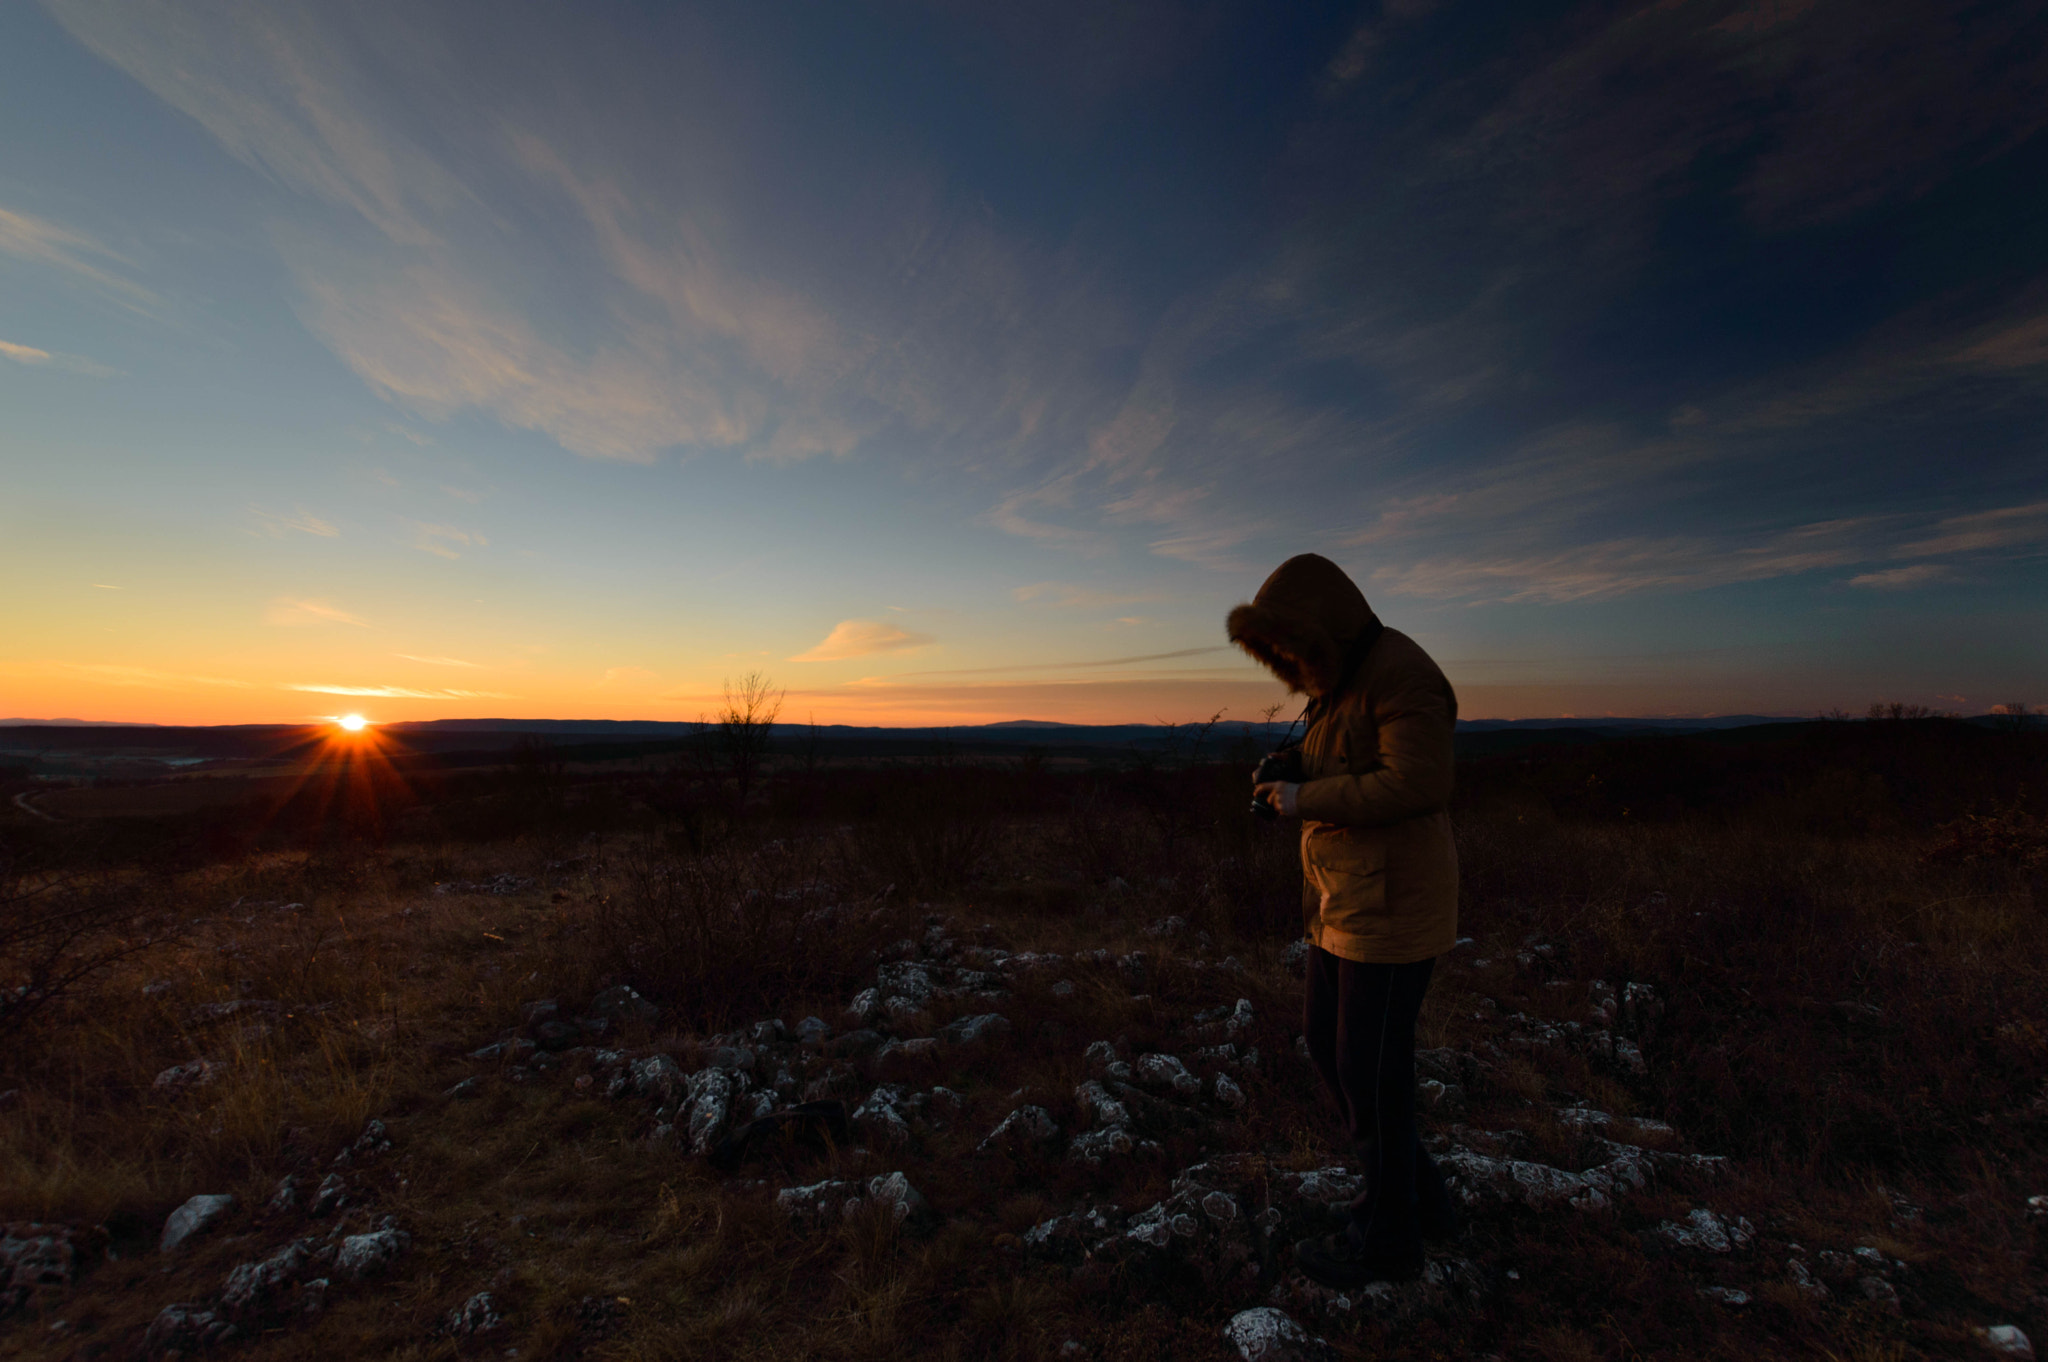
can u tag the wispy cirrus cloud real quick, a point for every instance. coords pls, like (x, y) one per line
(400, 692)
(150, 677)
(1085, 664)
(276, 525)
(445, 541)
(287, 611)
(2006, 527)
(1903, 578)
(62, 248)
(435, 661)
(863, 638)
(72, 364)
(1072, 596)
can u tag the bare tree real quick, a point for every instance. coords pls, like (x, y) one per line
(744, 727)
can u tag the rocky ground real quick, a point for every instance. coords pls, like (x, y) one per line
(1040, 1145)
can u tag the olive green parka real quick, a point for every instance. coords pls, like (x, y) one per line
(1380, 871)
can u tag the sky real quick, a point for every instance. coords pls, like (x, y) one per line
(953, 363)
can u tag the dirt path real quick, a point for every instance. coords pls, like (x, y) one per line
(21, 802)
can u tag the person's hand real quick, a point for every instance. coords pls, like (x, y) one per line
(1280, 794)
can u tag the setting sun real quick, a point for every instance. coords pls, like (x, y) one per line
(354, 723)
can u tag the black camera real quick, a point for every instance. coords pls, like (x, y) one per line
(1283, 765)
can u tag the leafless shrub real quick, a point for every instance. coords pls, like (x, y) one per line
(735, 928)
(57, 932)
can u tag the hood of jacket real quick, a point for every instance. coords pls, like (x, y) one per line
(1308, 624)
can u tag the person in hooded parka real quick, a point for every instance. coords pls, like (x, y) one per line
(1379, 892)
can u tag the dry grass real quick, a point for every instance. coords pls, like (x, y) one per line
(603, 1246)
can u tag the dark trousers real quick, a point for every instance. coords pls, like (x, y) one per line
(1360, 1024)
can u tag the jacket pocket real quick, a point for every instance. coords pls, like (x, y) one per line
(1347, 869)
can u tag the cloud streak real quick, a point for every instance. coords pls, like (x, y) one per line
(291, 613)
(400, 692)
(72, 252)
(863, 638)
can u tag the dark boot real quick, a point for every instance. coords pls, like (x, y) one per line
(1388, 1252)
(1436, 1213)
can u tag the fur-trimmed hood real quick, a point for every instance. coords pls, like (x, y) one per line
(1308, 624)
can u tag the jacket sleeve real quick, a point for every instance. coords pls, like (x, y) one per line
(1415, 769)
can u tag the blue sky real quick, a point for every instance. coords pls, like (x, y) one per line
(957, 362)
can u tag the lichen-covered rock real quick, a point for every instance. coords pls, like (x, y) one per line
(256, 1288)
(881, 1117)
(893, 1191)
(974, 1030)
(330, 1196)
(2007, 1340)
(286, 1198)
(1228, 1093)
(622, 1004)
(197, 1074)
(1214, 1232)
(827, 1203)
(1100, 1106)
(1705, 1232)
(818, 1203)
(196, 1216)
(660, 1079)
(1025, 1127)
(375, 1140)
(1446, 1285)
(1264, 1334)
(1167, 1072)
(1104, 1062)
(1074, 1234)
(38, 1258)
(1476, 1177)
(710, 1097)
(477, 1315)
(365, 1255)
(1099, 1146)
(905, 979)
(185, 1327)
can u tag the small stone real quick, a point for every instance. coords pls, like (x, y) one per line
(313, 1296)
(255, 1287)
(1705, 1232)
(2007, 1340)
(1228, 1093)
(471, 1088)
(183, 1327)
(973, 1030)
(1063, 989)
(1725, 1295)
(1264, 1334)
(478, 1315)
(196, 1216)
(1166, 1071)
(1295, 958)
(286, 1197)
(621, 1004)
(365, 1255)
(1879, 1292)
(197, 1074)
(331, 1195)
(812, 1031)
(894, 1191)
(1025, 1126)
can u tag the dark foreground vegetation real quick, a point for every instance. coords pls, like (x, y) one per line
(1745, 1056)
